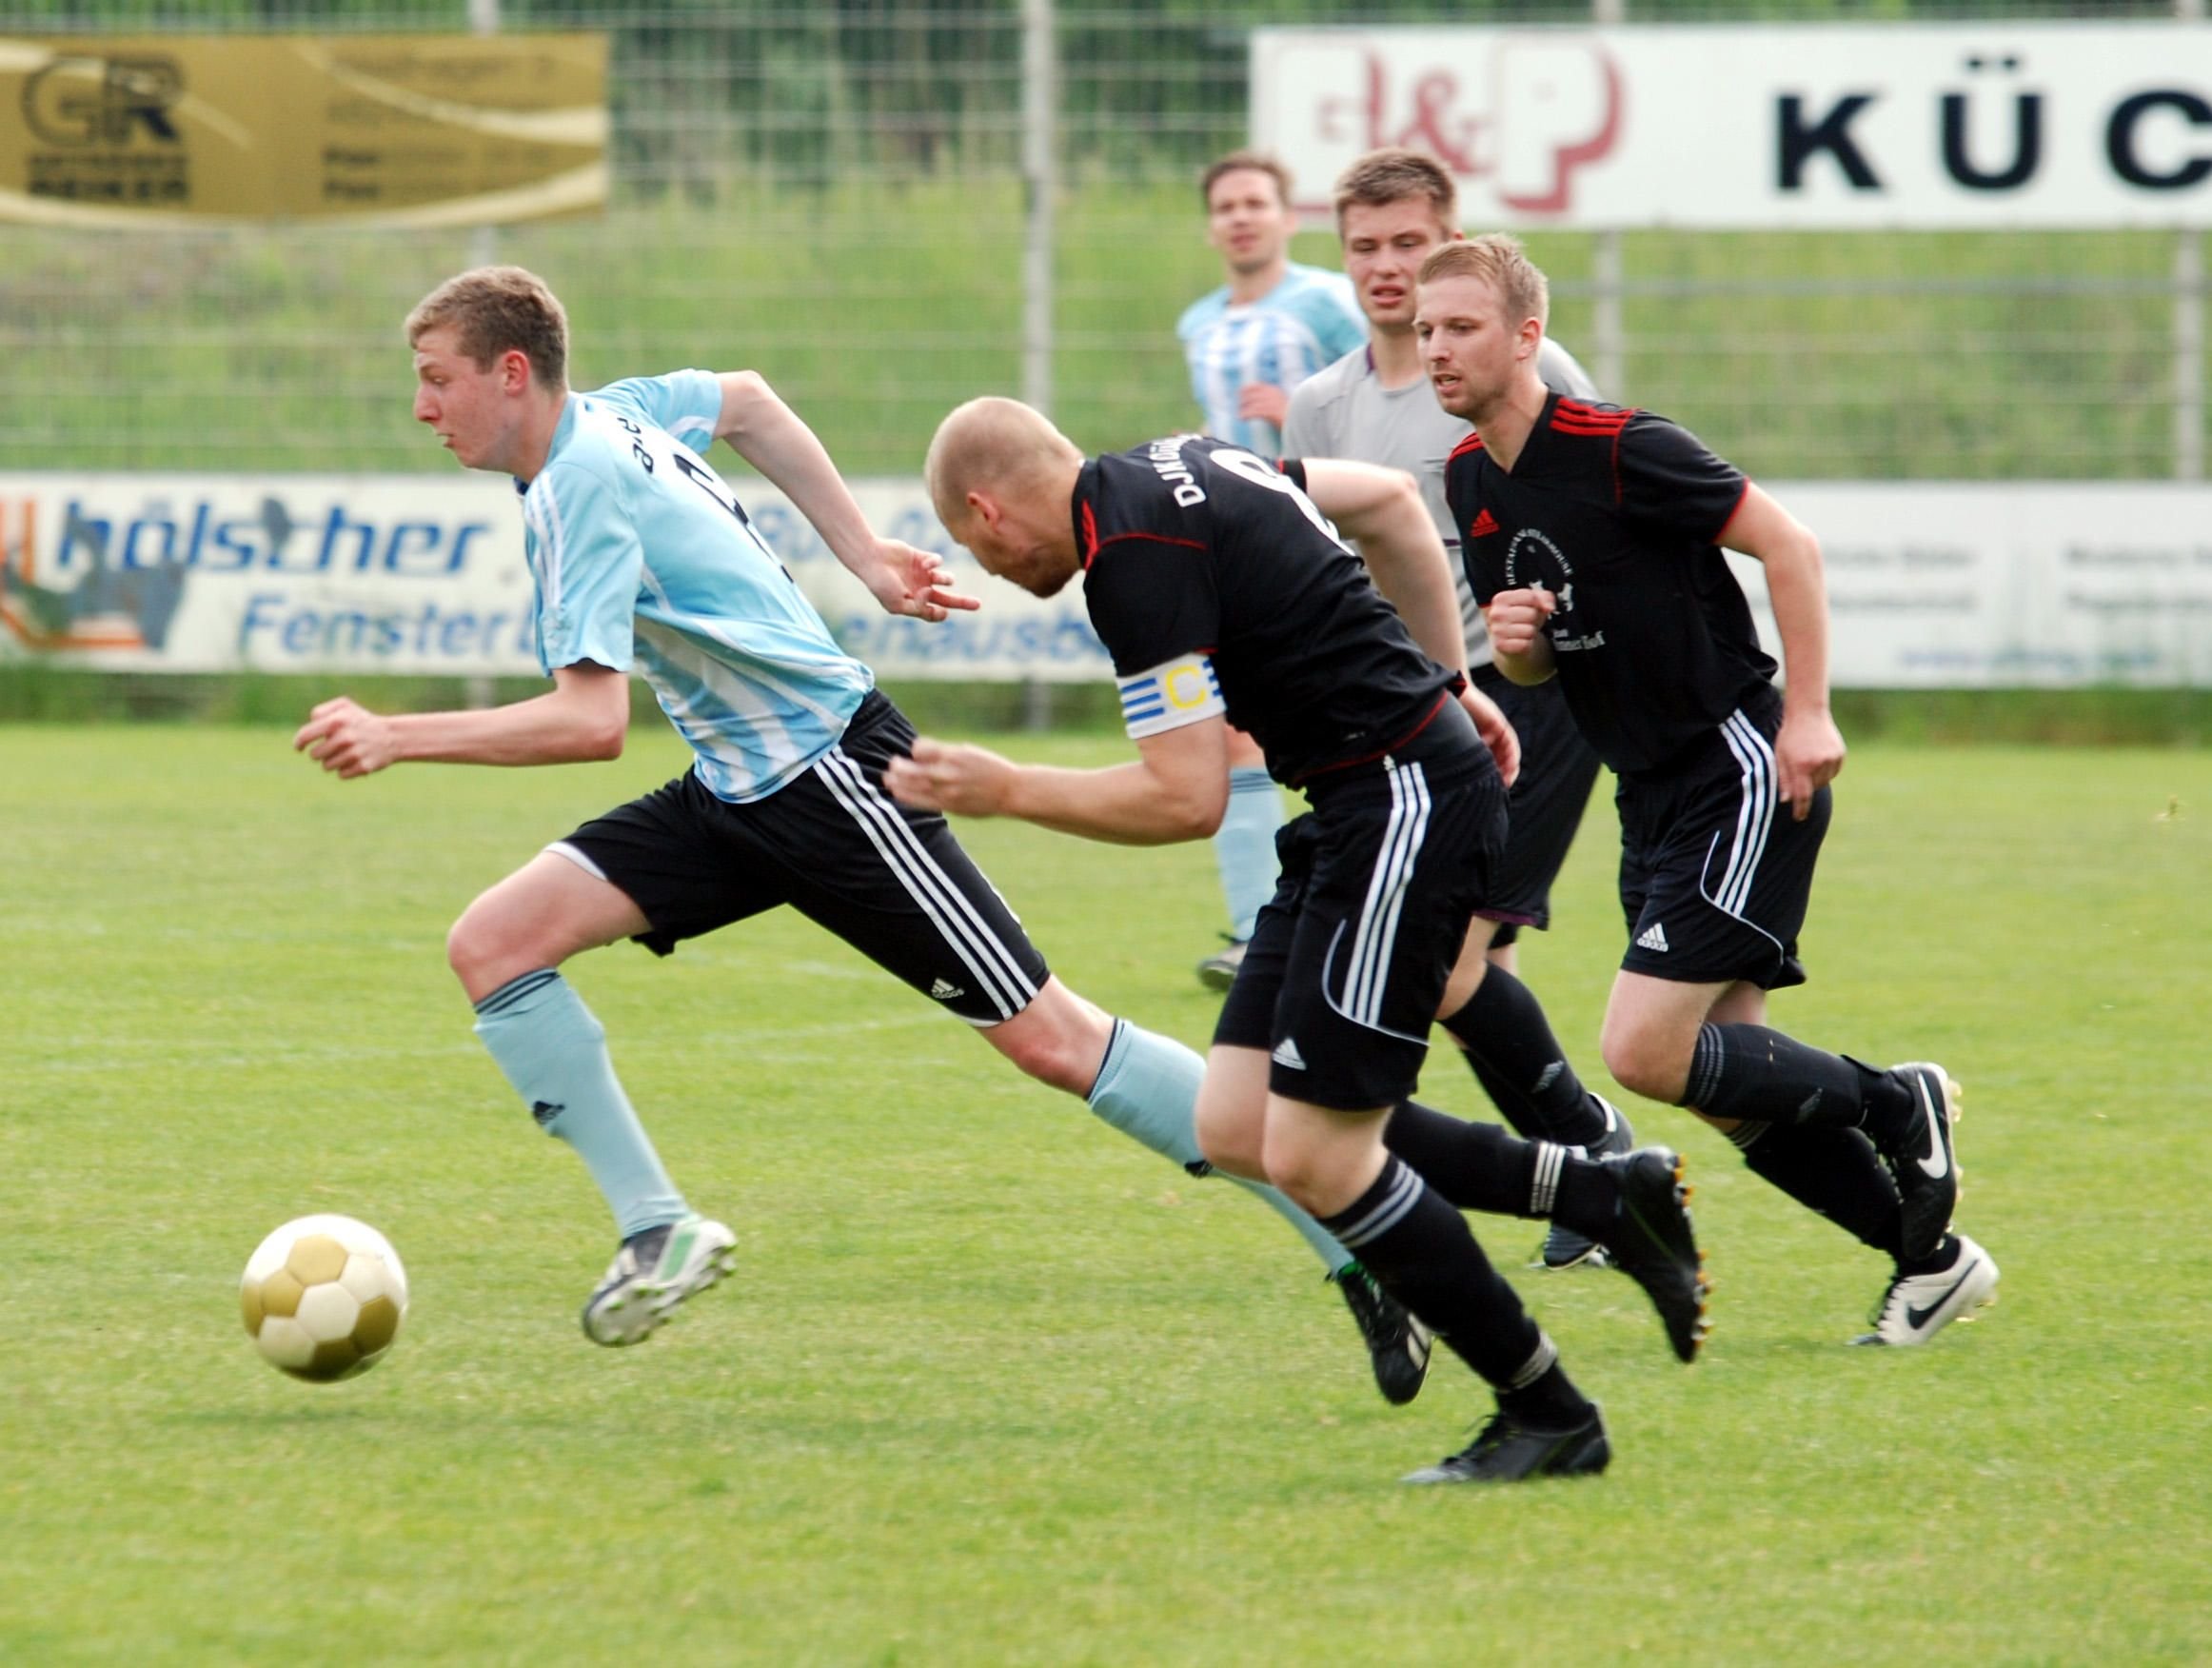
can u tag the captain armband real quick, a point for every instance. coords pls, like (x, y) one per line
(1173, 694)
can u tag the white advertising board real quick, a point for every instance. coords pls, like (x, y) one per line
(351, 573)
(1772, 126)
(1931, 584)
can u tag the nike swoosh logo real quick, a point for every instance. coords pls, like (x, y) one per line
(1938, 1162)
(1916, 1318)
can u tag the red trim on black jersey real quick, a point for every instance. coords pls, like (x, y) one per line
(1573, 416)
(1472, 444)
(1090, 534)
(1451, 693)
(1149, 538)
(1734, 508)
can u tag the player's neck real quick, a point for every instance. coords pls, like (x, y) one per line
(534, 439)
(1397, 355)
(1250, 286)
(1505, 429)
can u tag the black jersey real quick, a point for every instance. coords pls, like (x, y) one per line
(1192, 545)
(1615, 513)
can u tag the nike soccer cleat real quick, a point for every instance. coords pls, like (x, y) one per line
(1396, 1343)
(1563, 1248)
(1508, 1451)
(1219, 971)
(1917, 1306)
(653, 1272)
(1923, 1161)
(1653, 1242)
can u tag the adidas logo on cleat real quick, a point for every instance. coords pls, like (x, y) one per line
(1287, 1055)
(1652, 938)
(944, 991)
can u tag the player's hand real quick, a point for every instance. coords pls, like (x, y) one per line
(1264, 401)
(1807, 754)
(911, 582)
(1497, 730)
(951, 776)
(1516, 618)
(344, 736)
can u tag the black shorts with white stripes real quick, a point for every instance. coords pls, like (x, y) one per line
(1348, 962)
(891, 882)
(1715, 871)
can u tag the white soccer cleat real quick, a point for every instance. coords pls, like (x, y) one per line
(653, 1272)
(1917, 1306)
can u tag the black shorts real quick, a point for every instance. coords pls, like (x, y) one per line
(891, 882)
(1348, 963)
(1715, 872)
(1558, 770)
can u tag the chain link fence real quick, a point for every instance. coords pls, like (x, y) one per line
(835, 194)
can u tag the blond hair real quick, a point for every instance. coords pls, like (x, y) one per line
(492, 309)
(1500, 262)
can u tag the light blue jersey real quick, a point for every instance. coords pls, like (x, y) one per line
(1307, 321)
(643, 558)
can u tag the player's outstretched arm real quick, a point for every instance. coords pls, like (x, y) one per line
(768, 435)
(1810, 750)
(584, 717)
(1381, 508)
(1177, 789)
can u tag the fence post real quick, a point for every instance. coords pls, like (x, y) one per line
(2188, 329)
(1608, 335)
(1040, 104)
(484, 250)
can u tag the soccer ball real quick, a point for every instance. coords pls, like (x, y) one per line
(322, 1298)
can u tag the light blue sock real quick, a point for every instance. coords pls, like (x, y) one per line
(1244, 845)
(1148, 1089)
(554, 1051)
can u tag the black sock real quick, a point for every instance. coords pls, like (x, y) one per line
(1520, 1065)
(1473, 1166)
(1830, 1170)
(1418, 1249)
(1478, 1166)
(1749, 1072)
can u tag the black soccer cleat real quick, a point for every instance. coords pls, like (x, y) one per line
(1925, 1161)
(1653, 1243)
(1509, 1451)
(1219, 971)
(1396, 1343)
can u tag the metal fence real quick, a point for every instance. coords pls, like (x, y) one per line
(881, 203)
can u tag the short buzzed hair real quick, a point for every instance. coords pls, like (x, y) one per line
(1392, 175)
(990, 444)
(1499, 260)
(1258, 162)
(492, 309)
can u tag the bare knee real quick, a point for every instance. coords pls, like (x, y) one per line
(1230, 1142)
(1059, 1039)
(1645, 1064)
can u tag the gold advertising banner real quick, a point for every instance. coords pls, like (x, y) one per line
(396, 130)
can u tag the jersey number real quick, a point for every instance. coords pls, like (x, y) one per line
(1261, 473)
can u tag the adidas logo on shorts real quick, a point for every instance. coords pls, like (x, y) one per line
(1652, 938)
(1287, 1055)
(944, 991)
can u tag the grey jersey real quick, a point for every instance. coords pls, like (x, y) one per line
(1342, 411)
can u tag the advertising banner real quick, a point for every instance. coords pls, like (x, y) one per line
(1931, 584)
(380, 130)
(398, 573)
(1767, 126)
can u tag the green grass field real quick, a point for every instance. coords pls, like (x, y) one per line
(995, 1386)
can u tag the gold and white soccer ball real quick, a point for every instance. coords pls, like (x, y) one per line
(324, 1297)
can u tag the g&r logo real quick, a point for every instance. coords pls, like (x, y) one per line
(103, 101)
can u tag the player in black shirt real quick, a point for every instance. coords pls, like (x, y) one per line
(1224, 596)
(1593, 536)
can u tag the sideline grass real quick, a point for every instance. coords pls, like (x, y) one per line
(997, 1386)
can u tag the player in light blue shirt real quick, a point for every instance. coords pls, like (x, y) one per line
(643, 559)
(1248, 344)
